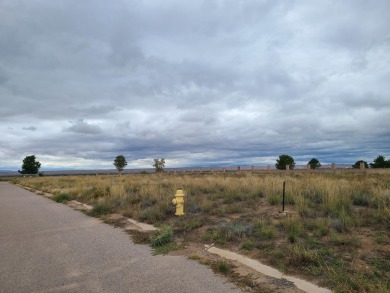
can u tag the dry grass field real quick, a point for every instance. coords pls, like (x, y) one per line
(337, 234)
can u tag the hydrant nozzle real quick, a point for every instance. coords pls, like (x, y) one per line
(178, 201)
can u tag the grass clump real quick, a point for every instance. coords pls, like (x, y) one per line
(248, 245)
(263, 231)
(62, 197)
(100, 209)
(228, 232)
(162, 237)
(293, 229)
(344, 240)
(155, 213)
(222, 267)
(319, 227)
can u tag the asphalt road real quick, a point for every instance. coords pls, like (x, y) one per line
(49, 247)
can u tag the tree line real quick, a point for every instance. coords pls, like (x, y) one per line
(31, 165)
(285, 160)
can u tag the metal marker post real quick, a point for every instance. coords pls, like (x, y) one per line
(284, 190)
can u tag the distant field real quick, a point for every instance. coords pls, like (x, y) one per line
(7, 173)
(337, 235)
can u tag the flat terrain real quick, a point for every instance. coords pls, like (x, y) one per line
(336, 233)
(49, 247)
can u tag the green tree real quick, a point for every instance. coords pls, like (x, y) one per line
(30, 166)
(314, 163)
(357, 164)
(120, 163)
(380, 162)
(283, 161)
(159, 165)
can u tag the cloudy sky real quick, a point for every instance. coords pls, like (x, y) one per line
(200, 83)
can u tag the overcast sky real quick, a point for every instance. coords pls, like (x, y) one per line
(196, 82)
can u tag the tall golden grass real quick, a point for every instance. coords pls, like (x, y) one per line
(327, 193)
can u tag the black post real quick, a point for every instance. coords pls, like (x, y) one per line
(284, 191)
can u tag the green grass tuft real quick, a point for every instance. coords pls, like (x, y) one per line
(100, 209)
(163, 237)
(62, 197)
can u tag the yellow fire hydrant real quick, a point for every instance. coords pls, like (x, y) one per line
(178, 201)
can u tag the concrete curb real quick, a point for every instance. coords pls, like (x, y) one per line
(266, 270)
(142, 226)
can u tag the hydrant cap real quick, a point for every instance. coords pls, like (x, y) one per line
(179, 192)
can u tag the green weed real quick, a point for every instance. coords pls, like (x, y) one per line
(162, 237)
(263, 231)
(293, 229)
(100, 209)
(62, 197)
(248, 245)
(222, 267)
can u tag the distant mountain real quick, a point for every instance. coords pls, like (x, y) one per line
(3, 170)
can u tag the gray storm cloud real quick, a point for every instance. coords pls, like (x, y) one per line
(80, 126)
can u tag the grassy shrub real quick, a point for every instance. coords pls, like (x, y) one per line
(262, 231)
(235, 208)
(247, 245)
(319, 226)
(102, 208)
(228, 232)
(152, 215)
(192, 225)
(344, 222)
(293, 229)
(274, 199)
(361, 199)
(222, 267)
(313, 196)
(382, 238)
(303, 256)
(62, 197)
(162, 237)
(158, 212)
(344, 240)
(188, 223)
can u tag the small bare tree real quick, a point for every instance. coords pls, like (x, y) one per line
(159, 165)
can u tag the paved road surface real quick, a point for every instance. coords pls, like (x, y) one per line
(48, 247)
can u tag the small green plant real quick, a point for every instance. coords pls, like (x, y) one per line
(165, 249)
(163, 237)
(153, 214)
(248, 245)
(343, 223)
(361, 199)
(227, 232)
(222, 267)
(62, 197)
(293, 229)
(274, 199)
(381, 238)
(301, 255)
(263, 231)
(320, 226)
(344, 240)
(100, 209)
(193, 224)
